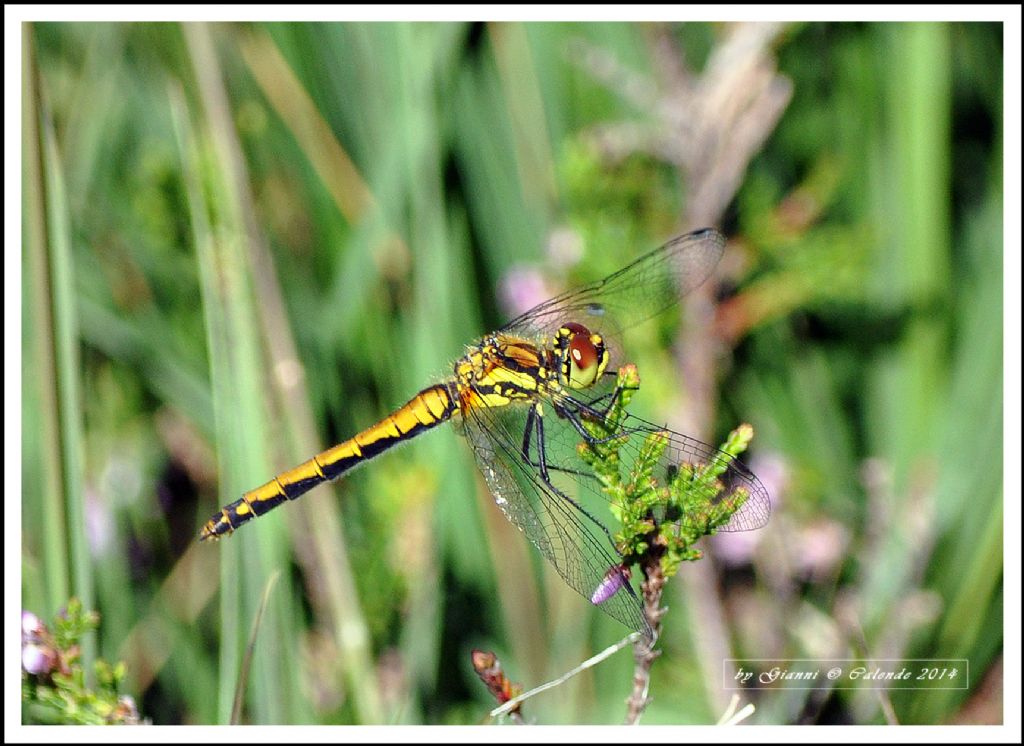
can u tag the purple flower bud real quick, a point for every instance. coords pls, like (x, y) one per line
(614, 581)
(36, 659)
(31, 626)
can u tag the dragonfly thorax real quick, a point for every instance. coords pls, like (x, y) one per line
(502, 369)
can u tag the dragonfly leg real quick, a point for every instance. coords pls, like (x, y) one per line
(527, 432)
(542, 466)
(526, 435)
(616, 577)
(573, 415)
(574, 420)
(614, 395)
(612, 398)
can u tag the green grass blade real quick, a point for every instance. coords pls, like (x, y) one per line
(40, 379)
(67, 365)
(250, 649)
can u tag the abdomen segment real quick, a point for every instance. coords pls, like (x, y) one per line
(428, 408)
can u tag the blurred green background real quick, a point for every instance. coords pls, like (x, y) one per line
(243, 243)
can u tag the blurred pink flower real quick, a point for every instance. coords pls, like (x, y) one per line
(819, 549)
(521, 289)
(736, 548)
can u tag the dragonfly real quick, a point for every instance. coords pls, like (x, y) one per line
(522, 397)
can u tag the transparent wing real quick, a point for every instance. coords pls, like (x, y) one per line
(579, 549)
(646, 287)
(737, 482)
(567, 516)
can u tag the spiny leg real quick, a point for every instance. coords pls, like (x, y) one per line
(619, 388)
(543, 467)
(531, 418)
(587, 410)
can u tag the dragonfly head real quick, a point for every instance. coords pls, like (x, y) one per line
(582, 355)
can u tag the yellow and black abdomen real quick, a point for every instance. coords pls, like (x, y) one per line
(430, 407)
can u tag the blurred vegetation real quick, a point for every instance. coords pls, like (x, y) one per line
(54, 689)
(243, 243)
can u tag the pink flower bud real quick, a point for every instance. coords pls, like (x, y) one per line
(36, 659)
(32, 627)
(614, 581)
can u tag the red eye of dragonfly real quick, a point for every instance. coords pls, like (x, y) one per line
(583, 362)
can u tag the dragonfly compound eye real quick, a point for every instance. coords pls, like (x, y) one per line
(584, 356)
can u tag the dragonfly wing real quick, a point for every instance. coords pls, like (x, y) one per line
(571, 539)
(646, 287)
(566, 515)
(737, 484)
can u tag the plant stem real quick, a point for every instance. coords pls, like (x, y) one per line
(643, 650)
